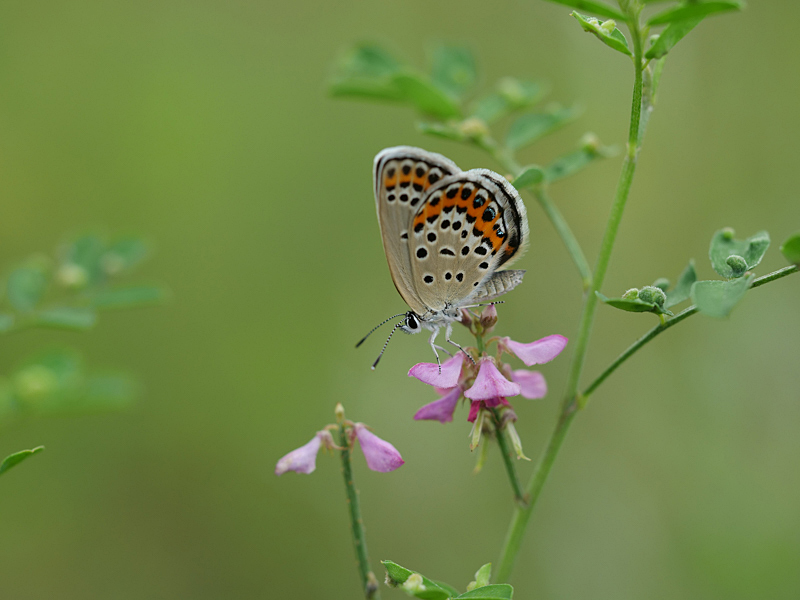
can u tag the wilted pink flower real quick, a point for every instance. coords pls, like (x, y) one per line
(381, 455)
(531, 383)
(429, 372)
(440, 410)
(304, 459)
(538, 352)
(490, 383)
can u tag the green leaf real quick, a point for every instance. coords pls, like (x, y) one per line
(123, 255)
(718, 298)
(498, 591)
(673, 34)
(598, 8)
(683, 289)
(26, 286)
(66, 317)
(6, 322)
(424, 96)
(442, 130)
(368, 89)
(530, 176)
(454, 70)
(510, 95)
(483, 575)
(606, 32)
(16, 458)
(791, 248)
(633, 305)
(127, 297)
(571, 163)
(86, 252)
(532, 126)
(693, 10)
(397, 575)
(368, 61)
(723, 245)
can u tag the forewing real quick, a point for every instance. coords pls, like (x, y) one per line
(467, 226)
(401, 177)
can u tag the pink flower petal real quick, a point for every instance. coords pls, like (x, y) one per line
(474, 407)
(538, 352)
(441, 410)
(490, 384)
(429, 372)
(302, 460)
(381, 455)
(531, 384)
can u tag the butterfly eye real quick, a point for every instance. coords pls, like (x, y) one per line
(411, 321)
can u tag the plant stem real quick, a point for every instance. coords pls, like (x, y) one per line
(572, 402)
(368, 580)
(508, 459)
(685, 314)
(566, 235)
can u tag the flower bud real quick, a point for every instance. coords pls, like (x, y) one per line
(737, 264)
(631, 294)
(728, 233)
(590, 143)
(339, 412)
(662, 283)
(414, 584)
(653, 295)
(608, 27)
(474, 128)
(488, 317)
(516, 442)
(71, 275)
(466, 318)
(511, 90)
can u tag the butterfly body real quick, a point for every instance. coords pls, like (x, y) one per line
(446, 233)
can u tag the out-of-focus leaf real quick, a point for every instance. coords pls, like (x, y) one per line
(530, 176)
(633, 305)
(6, 322)
(123, 255)
(369, 60)
(66, 317)
(366, 72)
(424, 96)
(442, 130)
(510, 95)
(454, 70)
(86, 252)
(16, 458)
(127, 297)
(569, 164)
(673, 34)
(592, 6)
(791, 248)
(26, 286)
(606, 32)
(532, 126)
(397, 575)
(723, 246)
(693, 10)
(683, 288)
(718, 298)
(498, 591)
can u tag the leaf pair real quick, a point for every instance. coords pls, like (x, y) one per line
(419, 586)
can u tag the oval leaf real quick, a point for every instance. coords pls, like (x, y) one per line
(498, 591)
(454, 70)
(16, 458)
(424, 96)
(673, 34)
(633, 305)
(397, 575)
(723, 245)
(569, 164)
(683, 289)
(718, 298)
(531, 175)
(532, 126)
(791, 249)
(66, 317)
(606, 32)
(592, 6)
(25, 287)
(693, 10)
(511, 94)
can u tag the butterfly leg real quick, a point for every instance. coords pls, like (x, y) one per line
(447, 334)
(434, 347)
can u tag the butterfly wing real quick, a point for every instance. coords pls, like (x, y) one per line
(467, 226)
(401, 177)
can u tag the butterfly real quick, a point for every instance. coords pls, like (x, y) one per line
(446, 233)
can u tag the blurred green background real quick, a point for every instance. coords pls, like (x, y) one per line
(205, 126)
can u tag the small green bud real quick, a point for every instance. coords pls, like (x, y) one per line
(728, 233)
(608, 27)
(474, 128)
(339, 412)
(653, 295)
(737, 264)
(662, 283)
(511, 90)
(414, 584)
(71, 275)
(631, 294)
(590, 143)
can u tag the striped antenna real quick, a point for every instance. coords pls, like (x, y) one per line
(376, 327)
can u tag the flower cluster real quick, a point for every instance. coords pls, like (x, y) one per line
(381, 455)
(488, 383)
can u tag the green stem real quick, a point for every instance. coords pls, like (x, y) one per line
(566, 235)
(368, 580)
(685, 314)
(572, 402)
(508, 459)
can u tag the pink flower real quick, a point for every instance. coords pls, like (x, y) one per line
(476, 405)
(429, 372)
(531, 383)
(440, 410)
(538, 352)
(381, 455)
(490, 384)
(304, 459)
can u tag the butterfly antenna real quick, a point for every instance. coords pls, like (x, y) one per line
(377, 360)
(376, 327)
